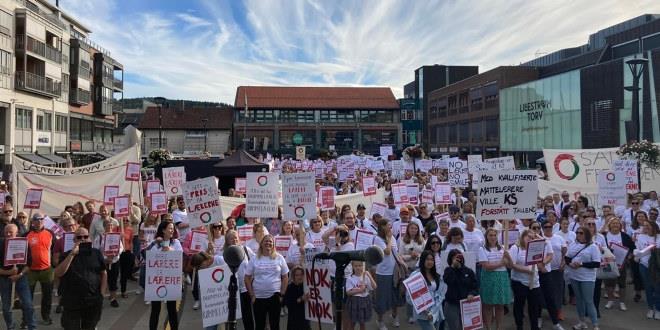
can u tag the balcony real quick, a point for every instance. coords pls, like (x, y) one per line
(34, 83)
(80, 96)
(117, 84)
(47, 16)
(37, 47)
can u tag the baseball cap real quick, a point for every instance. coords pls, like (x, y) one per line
(361, 207)
(454, 209)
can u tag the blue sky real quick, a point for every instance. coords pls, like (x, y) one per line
(204, 49)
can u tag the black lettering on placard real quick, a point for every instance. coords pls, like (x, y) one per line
(510, 199)
(486, 178)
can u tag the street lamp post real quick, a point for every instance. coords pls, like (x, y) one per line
(204, 121)
(637, 67)
(159, 102)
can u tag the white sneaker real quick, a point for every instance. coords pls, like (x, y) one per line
(381, 326)
(580, 326)
(196, 305)
(609, 304)
(395, 321)
(411, 320)
(558, 327)
(623, 307)
(539, 321)
(188, 280)
(657, 315)
(147, 302)
(138, 291)
(649, 314)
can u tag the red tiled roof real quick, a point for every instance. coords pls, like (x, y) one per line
(218, 118)
(270, 97)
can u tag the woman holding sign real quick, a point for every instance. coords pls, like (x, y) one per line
(266, 279)
(231, 239)
(616, 239)
(386, 292)
(111, 246)
(648, 240)
(164, 241)
(582, 260)
(495, 287)
(431, 318)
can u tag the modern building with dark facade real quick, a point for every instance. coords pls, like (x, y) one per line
(464, 116)
(321, 118)
(586, 100)
(427, 78)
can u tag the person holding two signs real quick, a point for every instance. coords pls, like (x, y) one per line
(14, 275)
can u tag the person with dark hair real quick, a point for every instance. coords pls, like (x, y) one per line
(454, 240)
(648, 240)
(582, 261)
(461, 284)
(164, 241)
(15, 276)
(433, 317)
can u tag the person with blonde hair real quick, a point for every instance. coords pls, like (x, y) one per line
(615, 235)
(582, 260)
(258, 233)
(495, 286)
(266, 279)
(232, 239)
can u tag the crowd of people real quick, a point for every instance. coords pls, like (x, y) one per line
(579, 245)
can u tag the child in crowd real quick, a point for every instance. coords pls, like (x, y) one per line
(294, 300)
(358, 304)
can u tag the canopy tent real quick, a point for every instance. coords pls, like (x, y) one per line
(239, 163)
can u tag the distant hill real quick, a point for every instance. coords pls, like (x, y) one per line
(133, 103)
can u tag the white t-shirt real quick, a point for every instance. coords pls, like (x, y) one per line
(240, 274)
(399, 227)
(452, 246)
(293, 255)
(392, 214)
(252, 244)
(473, 240)
(556, 243)
(569, 237)
(612, 238)
(179, 216)
(458, 223)
(267, 275)
(355, 281)
(643, 241)
(599, 240)
(386, 267)
(590, 254)
(493, 256)
(315, 239)
(518, 256)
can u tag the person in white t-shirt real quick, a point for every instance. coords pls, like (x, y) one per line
(582, 260)
(399, 227)
(646, 242)
(552, 277)
(266, 279)
(258, 233)
(315, 234)
(180, 217)
(650, 202)
(495, 286)
(296, 252)
(473, 238)
(567, 234)
(454, 240)
(386, 291)
(630, 213)
(521, 276)
(455, 217)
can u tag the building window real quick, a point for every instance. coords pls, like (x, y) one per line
(86, 130)
(195, 133)
(342, 140)
(60, 123)
(375, 116)
(626, 49)
(107, 136)
(44, 121)
(338, 116)
(98, 133)
(452, 131)
(153, 143)
(442, 134)
(492, 128)
(372, 140)
(263, 116)
(74, 133)
(601, 118)
(476, 134)
(289, 139)
(463, 132)
(651, 42)
(5, 69)
(23, 118)
(6, 23)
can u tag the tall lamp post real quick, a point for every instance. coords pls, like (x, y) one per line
(204, 121)
(159, 102)
(637, 67)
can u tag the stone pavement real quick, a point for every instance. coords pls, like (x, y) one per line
(134, 314)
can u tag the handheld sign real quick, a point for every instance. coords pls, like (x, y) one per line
(507, 194)
(52, 226)
(121, 206)
(471, 313)
(132, 171)
(377, 208)
(457, 173)
(282, 244)
(173, 180)
(15, 251)
(214, 295)
(327, 198)
(612, 188)
(419, 292)
(427, 196)
(240, 185)
(363, 239)
(245, 232)
(163, 280)
(33, 199)
(3, 196)
(629, 168)
(442, 193)
(153, 186)
(261, 197)
(412, 190)
(298, 196)
(317, 285)
(386, 151)
(199, 241)
(68, 241)
(111, 243)
(535, 252)
(159, 203)
(202, 201)
(368, 186)
(109, 194)
(400, 193)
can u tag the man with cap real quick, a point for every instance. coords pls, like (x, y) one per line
(15, 275)
(455, 217)
(361, 220)
(392, 211)
(41, 242)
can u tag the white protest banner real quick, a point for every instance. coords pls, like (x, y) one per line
(377, 208)
(317, 284)
(441, 164)
(400, 193)
(15, 251)
(375, 165)
(245, 232)
(419, 292)
(501, 163)
(612, 188)
(471, 313)
(173, 180)
(298, 195)
(629, 168)
(507, 194)
(535, 252)
(442, 193)
(386, 151)
(457, 173)
(398, 171)
(282, 244)
(153, 186)
(300, 153)
(202, 201)
(33, 199)
(121, 206)
(240, 185)
(261, 196)
(327, 198)
(163, 280)
(68, 241)
(132, 171)
(427, 196)
(578, 167)
(425, 165)
(364, 239)
(109, 194)
(53, 226)
(412, 190)
(199, 241)
(111, 243)
(474, 162)
(159, 203)
(319, 169)
(346, 170)
(369, 186)
(214, 295)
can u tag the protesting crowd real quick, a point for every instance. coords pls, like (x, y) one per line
(453, 257)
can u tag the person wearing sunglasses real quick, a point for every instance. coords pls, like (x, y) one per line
(40, 244)
(629, 214)
(7, 216)
(582, 260)
(15, 275)
(69, 225)
(83, 279)
(615, 235)
(552, 277)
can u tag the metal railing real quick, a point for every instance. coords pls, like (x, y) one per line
(36, 83)
(118, 83)
(48, 16)
(37, 47)
(80, 96)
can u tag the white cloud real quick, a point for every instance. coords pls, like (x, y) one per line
(205, 57)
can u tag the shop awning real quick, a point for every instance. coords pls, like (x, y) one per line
(54, 158)
(36, 159)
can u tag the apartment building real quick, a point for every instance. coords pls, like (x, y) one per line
(56, 86)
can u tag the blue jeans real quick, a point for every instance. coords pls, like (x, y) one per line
(584, 296)
(427, 325)
(23, 293)
(652, 292)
